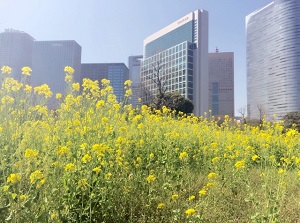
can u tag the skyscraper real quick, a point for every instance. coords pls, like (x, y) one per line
(15, 51)
(134, 66)
(273, 59)
(221, 83)
(49, 60)
(178, 53)
(117, 73)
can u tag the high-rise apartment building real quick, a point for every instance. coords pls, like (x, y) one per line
(273, 59)
(117, 73)
(49, 60)
(134, 66)
(221, 83)
(15, 51)
(178, 53)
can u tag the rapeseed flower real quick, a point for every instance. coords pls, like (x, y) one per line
(36, 175)
(26, 71)
(70, 167)
(190, 212)
(183, 155)
(240, 164)
(174, 196)
(14, 178)
(6, 70)
(160, 205)
(150, 178)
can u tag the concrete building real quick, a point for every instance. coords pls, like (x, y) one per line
(179, 52)
(16, 51)
(117, 73)
(273, 59)
(134, 66)
(221, 83)
(49, 60)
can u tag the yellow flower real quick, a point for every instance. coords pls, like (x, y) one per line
(212, 175)
(28, 88)
(192, 198)
(216, 159)
(105, 82)
(82, 183)
(254, 157)
(160, 205)
(43, 90)
(202, 192)
(281, 171)
(86, 158)
(151, 155)
(183, 155)
(100, 104)
(69, 166)
(6, 70)
(174, 196)
(69, 70)
(30, 153)
(240, 164)
(7, 100)
(23, 197)
(14, 178)
(127, 82)
(150, 178)
(68, 78)
(76, 86)
(36, 175)
(190, 212)
(26, 71)
(58, 96)
(63, 150)
(107, 176)
(97, 169)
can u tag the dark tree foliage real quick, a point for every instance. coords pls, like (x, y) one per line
(292, 120)
(174, 101)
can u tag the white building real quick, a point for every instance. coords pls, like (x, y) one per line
(180, 51)
(273, 59)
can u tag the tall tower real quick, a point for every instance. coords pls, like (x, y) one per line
(15, 51)
(273, 59)
(180, 52)
(221, 83)
(134, 66)
(49, 60)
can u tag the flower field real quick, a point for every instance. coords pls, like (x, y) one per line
(96, 160)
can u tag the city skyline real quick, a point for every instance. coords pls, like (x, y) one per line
(112, 31)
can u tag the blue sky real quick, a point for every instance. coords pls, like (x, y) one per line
(112, 30)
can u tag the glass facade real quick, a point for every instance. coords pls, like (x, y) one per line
(49, 60)
(221, 83)
(273, 59)
(15, 51)
(174, 37)
(176, 70)
(117, 73)
(180, 52)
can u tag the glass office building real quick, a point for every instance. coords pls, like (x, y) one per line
(48, 63)
(117, 73)
(221, 83)
(15, 51)
(273, 59)
(180, 53)
(134, 66)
